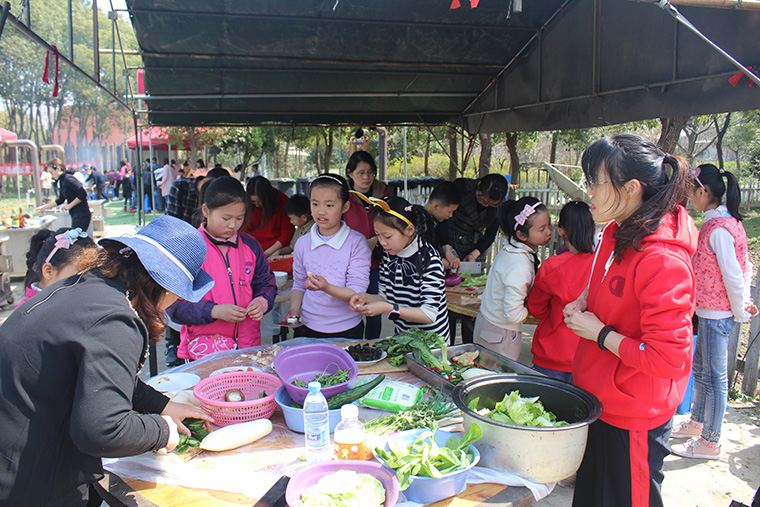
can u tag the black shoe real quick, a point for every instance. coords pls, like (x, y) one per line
(171, 356)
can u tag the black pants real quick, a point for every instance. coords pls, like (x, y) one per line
(116, 186)
(81, 220)
(355, 333)
(468, 326)
(100, 192)
(622, 467)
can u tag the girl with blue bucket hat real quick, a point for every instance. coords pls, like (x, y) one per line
(70, 360)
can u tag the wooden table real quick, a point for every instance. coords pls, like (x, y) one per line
(130, 492)
(467, 302)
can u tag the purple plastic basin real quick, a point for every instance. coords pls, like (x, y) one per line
(304, 362)
(310, 474)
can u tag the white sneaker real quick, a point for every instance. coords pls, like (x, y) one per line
(685, 429)
(696, 448)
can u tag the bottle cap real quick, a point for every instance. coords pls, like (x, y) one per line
(349, 411)
(315, 387)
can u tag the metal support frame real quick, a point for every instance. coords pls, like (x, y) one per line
(4, 17)
(95, 41)
(26, 143)
(56, 148)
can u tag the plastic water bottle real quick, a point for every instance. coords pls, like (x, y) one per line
(316, 425)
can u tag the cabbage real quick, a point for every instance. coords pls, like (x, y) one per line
(514, 409)
(345, 488)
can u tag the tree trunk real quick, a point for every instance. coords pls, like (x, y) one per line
(452, 154)
(427, 155)
(671, 131)
(318, 156)
(553, 154)
(514, 158)
(738, 166)
(720, 133)
(329, 140)
(484, 164)
(284, 161)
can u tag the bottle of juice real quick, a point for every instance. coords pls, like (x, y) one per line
(349, 435)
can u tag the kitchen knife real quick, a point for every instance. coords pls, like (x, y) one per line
(473, 268)
(275, 497)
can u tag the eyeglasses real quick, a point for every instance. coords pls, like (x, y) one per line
(362, 174)
(483, 202)
(591, 184)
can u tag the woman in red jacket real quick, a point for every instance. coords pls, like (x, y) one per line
(634, 319)
(268, 223)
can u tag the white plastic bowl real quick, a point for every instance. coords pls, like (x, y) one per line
(280, 277)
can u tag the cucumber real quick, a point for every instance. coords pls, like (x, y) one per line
(341, 399)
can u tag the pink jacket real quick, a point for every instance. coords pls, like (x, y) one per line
(249, 277)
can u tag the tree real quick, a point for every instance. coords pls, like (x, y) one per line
(484, 164)
(742, 136)
(671, 132)
(248, 142)
(720, 132)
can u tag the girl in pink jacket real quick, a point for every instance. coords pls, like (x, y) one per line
(229, 315)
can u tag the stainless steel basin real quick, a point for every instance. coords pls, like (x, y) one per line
(538, 454)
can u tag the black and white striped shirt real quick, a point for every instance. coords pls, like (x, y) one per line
(401, 284)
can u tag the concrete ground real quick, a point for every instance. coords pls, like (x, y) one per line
(688, 482)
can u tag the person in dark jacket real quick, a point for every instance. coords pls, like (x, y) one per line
(96, 180)
(70, 191)
(69, 387)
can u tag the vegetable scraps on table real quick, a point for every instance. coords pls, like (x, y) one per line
(514, 409)
(344, 488)
(324, 379)
(414, 339)
(473, 281)
(425, 458)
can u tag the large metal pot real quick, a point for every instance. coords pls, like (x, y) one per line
(538, 454)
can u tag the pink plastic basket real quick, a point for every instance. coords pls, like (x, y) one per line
(210, 392)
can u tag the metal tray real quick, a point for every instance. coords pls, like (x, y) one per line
(488, 360)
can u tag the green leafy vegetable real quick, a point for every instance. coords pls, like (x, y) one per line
(325, 380)
(435, 408)
(198, 432)
(409, 341)
(473, 281)
(514, 409)
(425, 458)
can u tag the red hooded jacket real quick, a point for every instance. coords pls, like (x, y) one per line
(649, 297)
(559, 281)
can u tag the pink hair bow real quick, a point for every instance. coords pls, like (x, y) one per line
(65, 240)
(527, 211)
(696, 171)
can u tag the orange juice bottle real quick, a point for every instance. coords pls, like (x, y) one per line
(349, 435)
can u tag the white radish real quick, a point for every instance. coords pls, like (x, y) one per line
(236, 435)
(475, 372)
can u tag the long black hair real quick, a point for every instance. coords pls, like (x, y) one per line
(263, 189)
(424, 225)
(576, 219)
(353, 161)
(665, 179)
(712, 178)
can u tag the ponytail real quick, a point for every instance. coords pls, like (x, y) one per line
(628, 157)
(712, 179)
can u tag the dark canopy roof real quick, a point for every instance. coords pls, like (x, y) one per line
(396, 61)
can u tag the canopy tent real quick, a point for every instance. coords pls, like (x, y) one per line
(159, 139)
(555, 64)
(7, 135)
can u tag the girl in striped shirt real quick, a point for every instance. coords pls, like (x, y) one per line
(411, 273)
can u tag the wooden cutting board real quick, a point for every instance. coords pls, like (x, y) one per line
(468, 291)
(373, 369)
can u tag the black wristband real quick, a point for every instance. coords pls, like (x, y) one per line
(603, 336)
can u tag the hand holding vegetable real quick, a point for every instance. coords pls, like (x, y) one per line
(179, 411)
(173, 435)
(357, 301)
(228, 313)
(315, 282)
(256, 309)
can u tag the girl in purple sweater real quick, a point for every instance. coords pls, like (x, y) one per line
(330, 265)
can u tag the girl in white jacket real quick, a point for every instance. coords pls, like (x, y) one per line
(526, 225)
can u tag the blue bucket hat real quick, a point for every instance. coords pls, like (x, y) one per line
(172, 252)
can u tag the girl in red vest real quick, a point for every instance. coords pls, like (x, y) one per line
(229, 315)
(724, 276)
